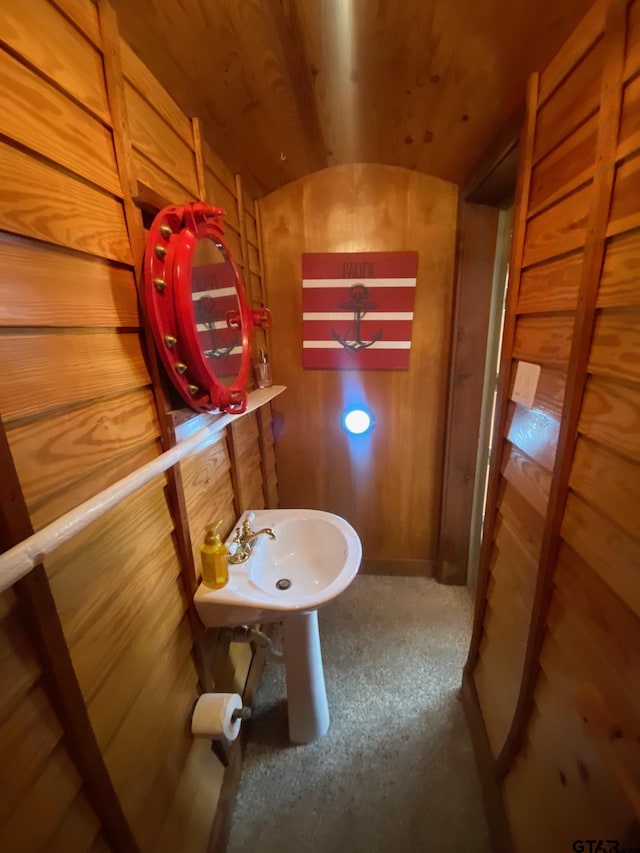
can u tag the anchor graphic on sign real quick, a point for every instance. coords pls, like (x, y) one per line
(216, 352)
(359, 303)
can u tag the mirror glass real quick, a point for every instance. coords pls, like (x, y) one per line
(216, 310)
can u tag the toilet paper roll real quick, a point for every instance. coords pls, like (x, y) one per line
(212, 716)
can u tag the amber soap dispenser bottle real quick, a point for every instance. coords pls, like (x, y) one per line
(215, 566)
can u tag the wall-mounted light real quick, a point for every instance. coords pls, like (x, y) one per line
(357, 420)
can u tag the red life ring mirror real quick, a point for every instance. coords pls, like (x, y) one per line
(197, 308)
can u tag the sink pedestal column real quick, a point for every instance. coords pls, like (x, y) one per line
(306, 692)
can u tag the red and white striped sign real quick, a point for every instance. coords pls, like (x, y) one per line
(358, 309)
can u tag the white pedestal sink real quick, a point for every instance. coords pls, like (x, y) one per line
(319, 554)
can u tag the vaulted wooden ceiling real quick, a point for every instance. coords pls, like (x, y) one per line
(286, 87)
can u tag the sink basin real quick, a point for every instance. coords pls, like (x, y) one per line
(313, 558)
(316, 554)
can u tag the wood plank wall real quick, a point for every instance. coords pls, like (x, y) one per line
(554, 657)
(77, 403)
(389, 488)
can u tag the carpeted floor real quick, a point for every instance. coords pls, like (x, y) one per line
(395, 772)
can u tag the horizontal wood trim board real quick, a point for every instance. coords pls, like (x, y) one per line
(572, 102)
(615, 349)
(38, 116)
(38, 200)
(588, 31)
(219, 195)
(157, 140)
(43, 372)
(137, 73)
(73, 493)
(630, 122)
(608, 482)
(550, 286)
(52, 453)
(148, 173)
(620, 283)
(85, 17)
(44, 285)
(569, 165)
(611, 415)
(559, 229)
(76, 66)
(214, 164)
(403, 568)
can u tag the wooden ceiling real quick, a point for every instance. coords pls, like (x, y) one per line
(286, 87)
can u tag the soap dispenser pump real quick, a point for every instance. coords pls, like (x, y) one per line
(215, 567)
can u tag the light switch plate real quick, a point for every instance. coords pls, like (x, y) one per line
(525, 385)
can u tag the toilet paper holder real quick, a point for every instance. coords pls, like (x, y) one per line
(218, 716)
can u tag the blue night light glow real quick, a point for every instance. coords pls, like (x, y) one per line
(357, 421)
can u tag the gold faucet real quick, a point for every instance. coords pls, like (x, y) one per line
(245, 540)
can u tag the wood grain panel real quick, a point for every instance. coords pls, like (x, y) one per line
(363, 208)
(208, 491)
(533, 432)
(521, 526)
(572, 102)
(40, 201)
(27, 738)
(562, 770)
(268, 457)
(624, 209)
(38, 116)
(172, 686)
(118, 542)
(611, 415)
(551, 286)
(49, 797)
(84, 15)
(606, 547)
(77, 830)
(217, 168)
(608, 482)
(137, 73)
(252, 232)
(632, 63)
(629, 139)
(559, 229)
(118, 688)
(565, 168)
(499, 670)
(530, 480)
(219, 196)
(67, 446)
(544, 340)
(233, 241)
(45, 371)
(246, 464)
(75, 65)
(69, 496)
(601, 626)
(615, 349)
(159, 142)
(19, 667)
(189, 818)
(42, 285)
(170, 191)
(620, 283)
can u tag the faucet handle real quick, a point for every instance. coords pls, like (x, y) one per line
(246, 524)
